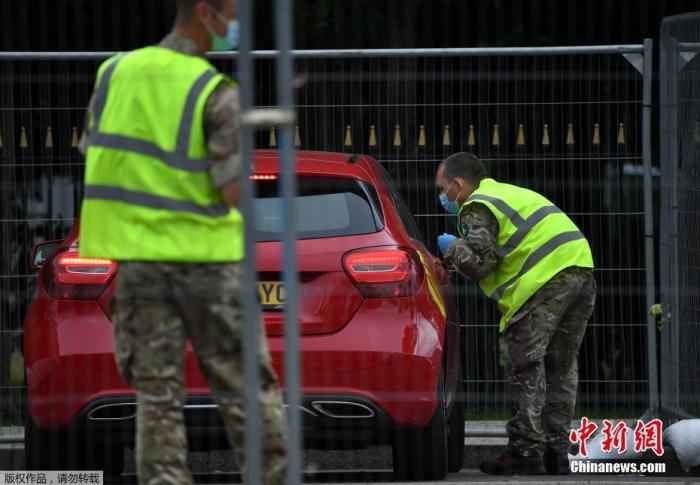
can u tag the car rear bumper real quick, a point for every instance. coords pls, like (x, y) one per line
(389, 355)
(387, 359)
(329, 422)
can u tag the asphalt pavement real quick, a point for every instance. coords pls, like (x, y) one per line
(371, 466)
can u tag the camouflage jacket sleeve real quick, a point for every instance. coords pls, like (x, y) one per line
(476, 254)
(222, 130)
(83, 144)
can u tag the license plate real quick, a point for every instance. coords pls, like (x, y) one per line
(271, 294)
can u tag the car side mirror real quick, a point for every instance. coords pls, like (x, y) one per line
(42, 252)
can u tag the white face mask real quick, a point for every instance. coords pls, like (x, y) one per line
(232, 38)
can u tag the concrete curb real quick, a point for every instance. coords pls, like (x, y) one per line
(485, 440)
(475, 429)
(12, 455)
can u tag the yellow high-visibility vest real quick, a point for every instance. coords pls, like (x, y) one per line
(148, 193)
(536, 240)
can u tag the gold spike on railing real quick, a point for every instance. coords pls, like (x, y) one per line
(372, 136)
(273, 138)
(75, 141)
(421, 136)
(23, 143)
(297, 137)
(496, 140)
(16, 368)
(471, 139)
(570, 138)
(621, 134)
(397, 136)
(348, 136)
(596, 134)
(545, 136)
(446, 138)
(520, 140)
(49, 138)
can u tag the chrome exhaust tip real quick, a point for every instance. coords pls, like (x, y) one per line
(343, 409)
(303, 409)
(113, 412)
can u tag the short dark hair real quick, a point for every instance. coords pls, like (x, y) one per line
(464, 165)
(185, 8)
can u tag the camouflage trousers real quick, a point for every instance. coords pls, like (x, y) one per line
(157, 308)
(543, 341)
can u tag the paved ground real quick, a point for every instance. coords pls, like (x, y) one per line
(362, 467)
(368, 467)
(474, 477)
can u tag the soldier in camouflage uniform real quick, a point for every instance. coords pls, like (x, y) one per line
(159, 305)
(543, 336)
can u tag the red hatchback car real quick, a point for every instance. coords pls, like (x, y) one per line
(381, 350)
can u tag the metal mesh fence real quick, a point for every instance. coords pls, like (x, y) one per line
(566, 123)
(680, 216)
(567, 126)
(40, 175)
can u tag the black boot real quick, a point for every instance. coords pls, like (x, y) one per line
(510, 462)
(556, 462)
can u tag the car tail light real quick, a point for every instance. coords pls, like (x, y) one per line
(384, 272)
(262, 176)
(74, 278)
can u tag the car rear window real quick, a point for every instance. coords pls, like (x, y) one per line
(325, 207)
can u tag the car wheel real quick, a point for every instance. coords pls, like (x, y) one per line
(455, 430)
(43, 450)
(421, 454)
(106, 457)
(59, 450)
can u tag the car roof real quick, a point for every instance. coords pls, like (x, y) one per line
(316, 163)
(310, 163)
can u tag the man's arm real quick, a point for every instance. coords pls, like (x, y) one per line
(222, 129)
(87, 126)
(476, 254)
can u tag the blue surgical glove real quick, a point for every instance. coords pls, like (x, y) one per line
(444, 241)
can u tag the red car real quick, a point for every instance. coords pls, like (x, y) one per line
(379, 340)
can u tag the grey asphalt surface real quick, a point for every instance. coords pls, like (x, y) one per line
(374, 466)
(359, 466)
(371, 466)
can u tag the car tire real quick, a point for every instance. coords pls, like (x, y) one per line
(59, 450)
(43, 450)
(455, 429)
(106, 457)
(421, 453)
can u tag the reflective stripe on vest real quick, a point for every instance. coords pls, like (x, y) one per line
(524, 243)
(148, 193)
(537, 256)
(524, 226)
(151, 201)
(177, 159)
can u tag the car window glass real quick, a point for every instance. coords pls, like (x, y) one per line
(407, 218)
(325, 207)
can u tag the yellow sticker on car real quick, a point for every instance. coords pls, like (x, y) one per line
(433, 286)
